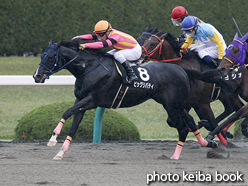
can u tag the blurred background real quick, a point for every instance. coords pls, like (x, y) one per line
(26, 27)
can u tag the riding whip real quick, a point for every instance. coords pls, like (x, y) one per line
(237, 27)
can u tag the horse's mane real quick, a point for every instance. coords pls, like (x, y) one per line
(175, 45)
(74, 44)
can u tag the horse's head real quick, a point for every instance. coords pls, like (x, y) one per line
(235, 53)
(148, 33)
(52, 60)
(159, 48)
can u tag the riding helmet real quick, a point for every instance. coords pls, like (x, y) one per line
(102, 26)
(189, 23)
(179, 12)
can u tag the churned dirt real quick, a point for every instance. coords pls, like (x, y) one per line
(123, 163)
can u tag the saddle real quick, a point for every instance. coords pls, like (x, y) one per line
(216, 88)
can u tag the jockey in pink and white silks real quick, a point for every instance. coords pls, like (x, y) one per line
(125, 47)
(212, 45)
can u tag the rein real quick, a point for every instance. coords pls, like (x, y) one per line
(55, 62)
(58, 55)
(94, 67)
(159, 47)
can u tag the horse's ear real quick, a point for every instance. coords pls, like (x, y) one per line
(58, 45)
(236, 36)
(245, 37)
(50, 42)
(163, 36)
(155, 30)
(148, 27)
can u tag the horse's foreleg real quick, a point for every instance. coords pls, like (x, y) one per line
(63, 149)
(243, 112)
(244, 127)
(76, 121)
(53, 140)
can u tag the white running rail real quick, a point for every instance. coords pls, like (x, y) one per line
(22, 80)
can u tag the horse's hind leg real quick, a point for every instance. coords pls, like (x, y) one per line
(189, 121)
(182, 130)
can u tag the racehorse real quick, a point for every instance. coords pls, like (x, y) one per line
(145, 35)
(232, 68)
(100, 82)
(164, 47)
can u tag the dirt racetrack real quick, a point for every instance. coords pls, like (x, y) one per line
(122, 164)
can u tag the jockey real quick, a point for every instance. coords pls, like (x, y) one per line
(125, 47)
(213, 44)
(177, 16)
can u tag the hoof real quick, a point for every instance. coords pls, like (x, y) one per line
(52, 143)
(174, 158)
(209, 137)
(59, 156)
(212, 144)
(229, 135)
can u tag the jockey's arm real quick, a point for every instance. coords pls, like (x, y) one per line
(218, 40)
(186, 45)
(87, 37)
(107, 43)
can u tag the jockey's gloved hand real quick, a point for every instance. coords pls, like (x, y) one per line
(82, 46)
(183, 50)
(181, 40)
(74, 37)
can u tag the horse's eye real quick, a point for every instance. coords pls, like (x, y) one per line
(152, 44)
(51, 57)
(235, 51)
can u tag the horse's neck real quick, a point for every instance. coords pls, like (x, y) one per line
(167, 51)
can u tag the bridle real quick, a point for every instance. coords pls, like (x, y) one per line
(159, 47)
(239, 60)
(52, 67)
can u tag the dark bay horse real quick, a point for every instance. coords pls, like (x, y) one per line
(99, 83)
(233, 69)
(145, 35)
(164, 47)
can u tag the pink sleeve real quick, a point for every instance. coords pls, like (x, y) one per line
(94, 45)
(86, 36)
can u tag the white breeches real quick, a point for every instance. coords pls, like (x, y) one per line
(126, 54)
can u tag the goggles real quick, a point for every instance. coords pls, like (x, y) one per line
(189, 31)
(177, 22)
(101, 34)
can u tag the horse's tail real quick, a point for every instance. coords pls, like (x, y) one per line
(212, 76)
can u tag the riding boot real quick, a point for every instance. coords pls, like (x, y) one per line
(130, 73)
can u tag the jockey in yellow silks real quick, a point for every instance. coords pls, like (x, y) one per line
(211, 44)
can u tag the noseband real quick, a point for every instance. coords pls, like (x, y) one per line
(159, 47)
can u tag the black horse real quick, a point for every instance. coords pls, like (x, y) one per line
(99, 83)
(164, 47)
(145, 35)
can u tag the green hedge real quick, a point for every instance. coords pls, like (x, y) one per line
(40, 123)
(28, 25)
(237, 130)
